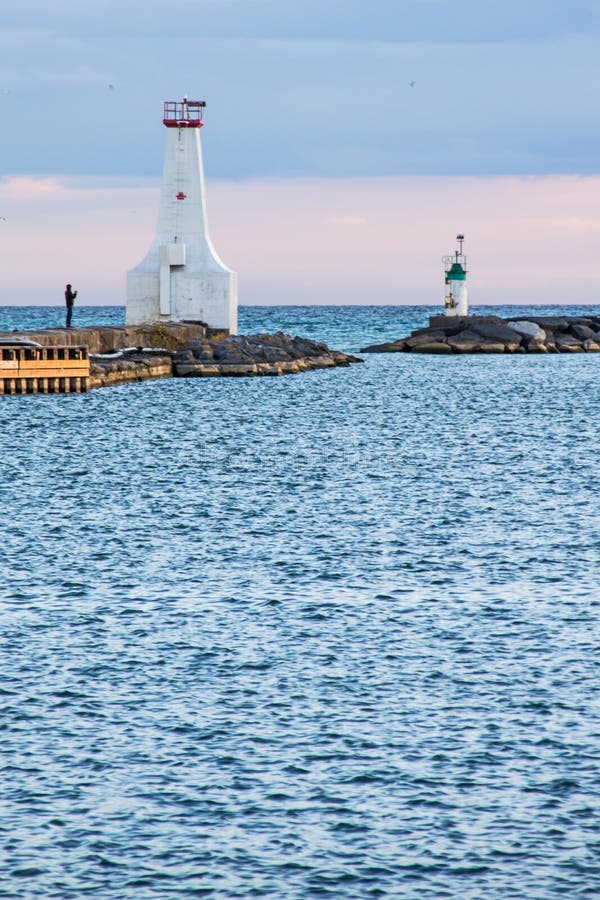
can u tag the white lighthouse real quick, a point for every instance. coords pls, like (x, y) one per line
(455, 277)
(181, 278)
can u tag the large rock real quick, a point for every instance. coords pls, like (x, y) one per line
(183, 356)
(591, 346)
(454, 324)
(590, 321)
(527, 328)
(391, 347)
(433, 347)
(440, 328)
(232, 351)
(499, 333)
(536, 345)
(568, 343)
(272, 354)
(318, 362)
(466, 342)
(307, 347)
(203, 351)
(583, 332)
(238, 369)
(550, 323)
(425, 337)
(492, 347)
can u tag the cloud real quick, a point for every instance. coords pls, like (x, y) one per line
(27, 187)
(570, 224)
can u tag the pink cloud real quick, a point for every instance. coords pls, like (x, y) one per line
(22, 187)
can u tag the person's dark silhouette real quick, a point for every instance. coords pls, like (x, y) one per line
(70, 295)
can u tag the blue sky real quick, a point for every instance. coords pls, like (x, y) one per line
(319, 88)
(310, 109)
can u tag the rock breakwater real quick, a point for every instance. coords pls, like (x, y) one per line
(257, 354)
(493, 334)
(239, 356)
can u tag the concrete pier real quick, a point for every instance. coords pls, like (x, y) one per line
(106, 338)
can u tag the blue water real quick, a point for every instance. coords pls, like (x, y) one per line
(330, 635)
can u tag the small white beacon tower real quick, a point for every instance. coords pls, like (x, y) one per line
(455, 275)
(181, 278)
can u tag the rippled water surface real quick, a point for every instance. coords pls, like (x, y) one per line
(330, 635)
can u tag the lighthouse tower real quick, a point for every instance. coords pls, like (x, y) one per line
(181, 277)
(455, 271)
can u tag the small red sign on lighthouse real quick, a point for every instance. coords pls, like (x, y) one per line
(181, 195)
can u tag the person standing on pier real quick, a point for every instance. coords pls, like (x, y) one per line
(70, 295)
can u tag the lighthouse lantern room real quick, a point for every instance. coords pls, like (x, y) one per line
(181, 278)
(455, 277)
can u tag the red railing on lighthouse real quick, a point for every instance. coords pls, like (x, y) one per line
(184, 114)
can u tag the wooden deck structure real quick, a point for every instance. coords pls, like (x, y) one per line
(29, 369)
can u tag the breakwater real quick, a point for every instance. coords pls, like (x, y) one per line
(494, 334)
(257, 354)
(120, 354)
(204, 357)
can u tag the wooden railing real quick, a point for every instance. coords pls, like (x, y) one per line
(43, 370)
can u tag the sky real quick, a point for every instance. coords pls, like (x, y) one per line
(330, 178)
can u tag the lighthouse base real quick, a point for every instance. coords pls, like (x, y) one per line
(209, 297)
